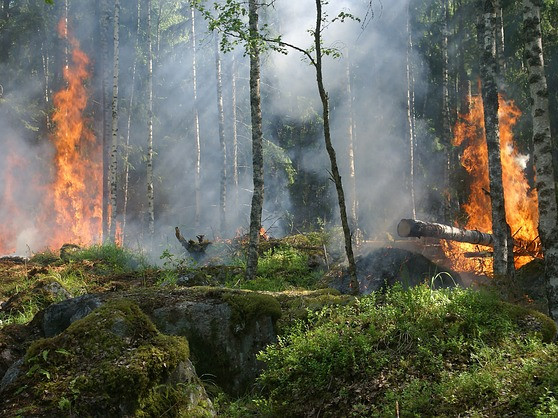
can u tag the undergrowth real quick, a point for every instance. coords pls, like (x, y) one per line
(428, 353)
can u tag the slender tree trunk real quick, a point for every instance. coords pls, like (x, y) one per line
(503, 251)
(114, 145)
(235, 134)
(222, 143)
(150, 191)
(542, 141)
(66, 42)
(499, 38)
(257, 145)
(331, 151)
(126, 159)
(46, 77)
(104, 104)
(446, 115)
(351, 137)
(197, 173)
(410, 118)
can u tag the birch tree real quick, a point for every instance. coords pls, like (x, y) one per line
(197, 142)
(114, 125)
(542, 140)
(105, 18)
(222, 143)
(503, 244)
(257, 142)
(150, 192)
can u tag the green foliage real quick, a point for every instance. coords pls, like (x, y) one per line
(435, 353)
(110, 258)
(281, 268)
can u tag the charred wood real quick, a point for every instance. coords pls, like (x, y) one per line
(195, 248)
(418, 229)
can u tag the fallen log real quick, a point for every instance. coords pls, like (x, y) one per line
(418, 229)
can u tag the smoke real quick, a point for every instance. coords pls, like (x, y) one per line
(374, 52)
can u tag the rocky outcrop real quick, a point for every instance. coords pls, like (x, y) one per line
(113, 362)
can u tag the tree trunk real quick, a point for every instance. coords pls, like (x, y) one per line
(234, 134)
(503, 253)
(499, 39)
(150, 191)
(222, 143)
(105, 115)
(351, 137)
(410, 117)
(446, 115)
(114, 145)
(542, 141)
(129, 126)
(197, 160)
(257, 145)
(418, 229)
(331, 151)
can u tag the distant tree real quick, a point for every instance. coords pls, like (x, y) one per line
(542, 140)
(150, 191)
(222, 142)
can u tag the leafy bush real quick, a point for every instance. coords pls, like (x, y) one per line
(281, 268)
(111, 258)
(439, 353)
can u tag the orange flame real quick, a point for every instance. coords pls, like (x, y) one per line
(76, 197)
(521, 201)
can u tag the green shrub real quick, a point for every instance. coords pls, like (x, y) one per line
(110, 258)
(431, 353)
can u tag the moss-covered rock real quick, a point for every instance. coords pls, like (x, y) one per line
(41, 294)
(113, 362)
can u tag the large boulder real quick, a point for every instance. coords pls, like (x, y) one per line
(383, 267)
(113, 362)
(225, 329)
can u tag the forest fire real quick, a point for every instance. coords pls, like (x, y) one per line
(521, 201)
(69, 209)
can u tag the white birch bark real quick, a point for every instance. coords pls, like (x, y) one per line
(222, 143)
(542, 141)
(197, 162)
(257, 145)
(114, 125)
(234, 134)
(150, 191)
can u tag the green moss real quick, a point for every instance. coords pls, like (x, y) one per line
(110, 362)
(247, 306)
(532, 321)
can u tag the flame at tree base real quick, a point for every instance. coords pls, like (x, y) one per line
(521, 201)
(68, 208)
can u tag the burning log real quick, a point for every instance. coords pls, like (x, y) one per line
(196, 249)
(416, 228)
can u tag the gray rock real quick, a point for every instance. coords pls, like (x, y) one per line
(11, 374)
(59, 316)
(222, 349)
